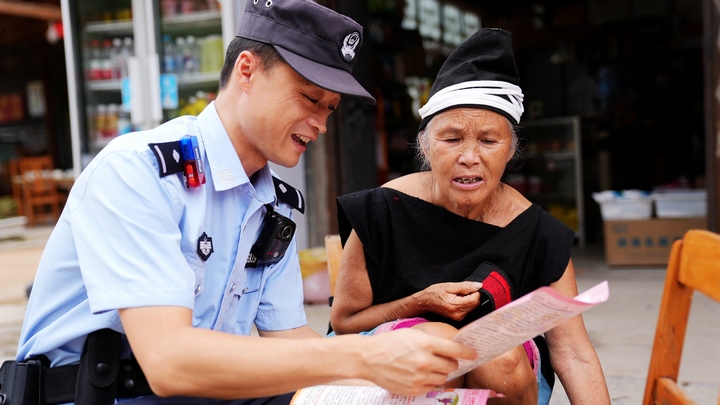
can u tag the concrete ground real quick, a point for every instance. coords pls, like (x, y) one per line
(621, 329)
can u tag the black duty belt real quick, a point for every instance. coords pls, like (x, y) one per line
(58, 384)
(99, 378)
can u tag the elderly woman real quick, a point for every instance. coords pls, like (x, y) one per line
(438, 249)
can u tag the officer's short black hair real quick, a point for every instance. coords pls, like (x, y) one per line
(268, 56)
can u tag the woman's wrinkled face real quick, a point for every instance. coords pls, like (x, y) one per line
(468, 149)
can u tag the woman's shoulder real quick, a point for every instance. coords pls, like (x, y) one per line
(411, 184)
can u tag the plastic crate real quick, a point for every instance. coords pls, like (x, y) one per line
(680, 203)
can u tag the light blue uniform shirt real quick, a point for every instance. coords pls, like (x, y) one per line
(128, 238)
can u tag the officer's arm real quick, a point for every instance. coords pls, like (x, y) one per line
(179, 359)
(302, 332)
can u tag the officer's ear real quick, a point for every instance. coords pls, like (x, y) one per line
(247, 64)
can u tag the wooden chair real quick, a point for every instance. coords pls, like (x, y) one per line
(41, 201)
(333, 250)
(694, 266)
(16, 184)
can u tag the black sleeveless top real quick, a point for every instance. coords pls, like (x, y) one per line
(411, 244)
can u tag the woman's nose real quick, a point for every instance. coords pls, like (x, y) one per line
(469, 155)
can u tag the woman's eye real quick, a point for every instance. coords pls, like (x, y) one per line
(312, 100)
(332, 108)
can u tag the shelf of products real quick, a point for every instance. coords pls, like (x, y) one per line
(551, 169)
(190, 51)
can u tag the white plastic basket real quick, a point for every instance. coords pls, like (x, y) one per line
(626, 209)
(680, 203)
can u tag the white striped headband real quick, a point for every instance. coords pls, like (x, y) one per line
(497, 95)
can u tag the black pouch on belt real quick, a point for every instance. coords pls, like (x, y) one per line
(98, 371)
(19, 382)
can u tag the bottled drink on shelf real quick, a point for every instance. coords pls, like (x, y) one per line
(187, 6)
(194, 104)
(180, 54)
(126, 52)
(168, 65)
(201, 101)
(107, 66)
(116, 58)
(169, 7)
(100, 121)
(213, 5)
(95, 61)
(111, 121)
(211, 53)
(191, 55)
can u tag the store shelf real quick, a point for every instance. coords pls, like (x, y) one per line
(118, 27)
(104, 85)
(181, 23)
(184, 80)
(198, 79)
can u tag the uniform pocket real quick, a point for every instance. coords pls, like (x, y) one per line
(198, 267)
(253, 280)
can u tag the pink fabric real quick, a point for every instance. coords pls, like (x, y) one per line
(533, 355)
(400, 324)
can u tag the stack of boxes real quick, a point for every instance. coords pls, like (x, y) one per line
(633, 236)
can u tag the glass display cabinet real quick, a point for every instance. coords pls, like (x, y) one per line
(549, 172)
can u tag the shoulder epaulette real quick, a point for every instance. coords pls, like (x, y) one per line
(289, 195)
(169, 157)
(170, 162)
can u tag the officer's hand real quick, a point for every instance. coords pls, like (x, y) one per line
(411, 362)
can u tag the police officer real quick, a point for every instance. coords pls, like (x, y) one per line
(162, 260)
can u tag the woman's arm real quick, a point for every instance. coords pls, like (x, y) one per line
(352, 310)
(572, 355)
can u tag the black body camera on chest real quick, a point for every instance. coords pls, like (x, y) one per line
(275, 237)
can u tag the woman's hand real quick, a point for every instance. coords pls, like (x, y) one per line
(451, 300)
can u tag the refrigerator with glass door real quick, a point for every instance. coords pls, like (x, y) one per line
(133, 64)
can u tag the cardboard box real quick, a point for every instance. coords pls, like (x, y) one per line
(645, 242)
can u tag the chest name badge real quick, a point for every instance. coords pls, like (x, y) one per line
(204, 246)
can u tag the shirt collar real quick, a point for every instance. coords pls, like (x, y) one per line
(225, 166)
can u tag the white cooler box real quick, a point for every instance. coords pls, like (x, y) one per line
(680, 203)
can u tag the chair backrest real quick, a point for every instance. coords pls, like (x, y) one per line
(694, 266)
(333, 250)
(40, 196)
(37, 174)
(16, 181)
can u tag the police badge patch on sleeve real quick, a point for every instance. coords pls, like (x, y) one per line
(204, 246)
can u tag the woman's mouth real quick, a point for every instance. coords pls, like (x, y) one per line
(468, 180)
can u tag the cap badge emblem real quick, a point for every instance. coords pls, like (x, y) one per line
(204, 246)
(349, 44)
